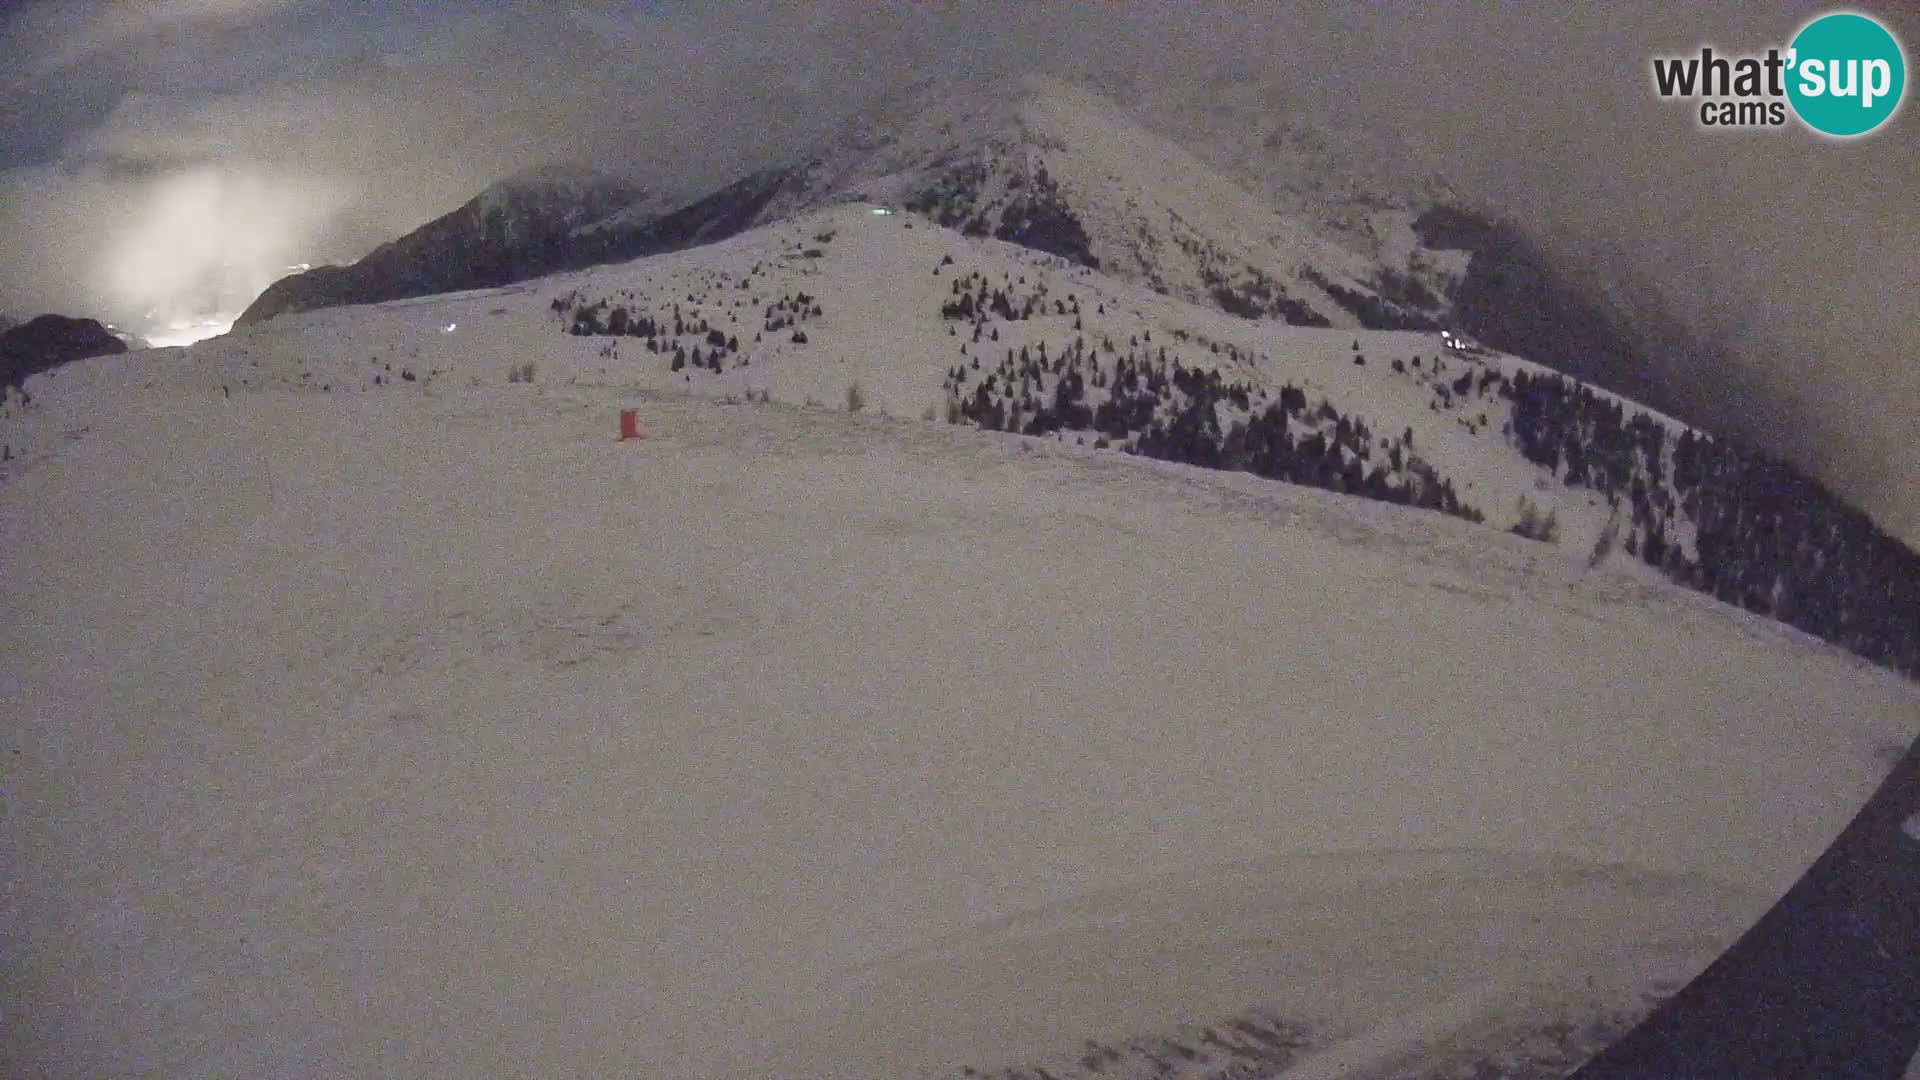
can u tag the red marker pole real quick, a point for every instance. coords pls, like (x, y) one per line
(630, 424)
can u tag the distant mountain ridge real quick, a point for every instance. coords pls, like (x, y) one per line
(1013, 339)
(521, 227)
(1034, 161)
(1329, 240)
(1220, 201)
(1062, 169)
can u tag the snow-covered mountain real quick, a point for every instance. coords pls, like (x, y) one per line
(1036, 161)
(524, 226)
(381, 713)
(1148, 681)
(1563, 299)
(1355, 179)
(1211, 195)
(1057, 167)
(998, 335)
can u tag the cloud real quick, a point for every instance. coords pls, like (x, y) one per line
(163, 242)
(55, 37)
(211, 231)
(329, 133)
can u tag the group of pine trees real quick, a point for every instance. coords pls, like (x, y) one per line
(1257, 296)
(1767, 537)
(1450, 392)
(790, 310)
(977, 301)
(1160, 407)
(708, 347)
(1376, 312)
(1031, 211)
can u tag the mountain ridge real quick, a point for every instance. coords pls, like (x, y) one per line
(1218, 199)
(1034, 160)
(519, 227)
(992, 334)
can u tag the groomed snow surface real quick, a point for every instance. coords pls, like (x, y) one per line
(426, 730)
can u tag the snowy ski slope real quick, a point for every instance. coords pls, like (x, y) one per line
(418, 727)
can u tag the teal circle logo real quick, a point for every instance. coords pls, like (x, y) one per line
(1846, 74)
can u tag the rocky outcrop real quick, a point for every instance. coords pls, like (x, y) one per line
(44, 343)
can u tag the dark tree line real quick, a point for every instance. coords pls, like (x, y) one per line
(976, 301)
(1257, 296)
(1032, 212)
(710, 347)
(789, 310)
(1767, 537)
(1159, 407)
(1378, 312)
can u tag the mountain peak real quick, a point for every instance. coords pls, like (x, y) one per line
(563, 175)
(522, 226)
(1059, 166)
(575, 192)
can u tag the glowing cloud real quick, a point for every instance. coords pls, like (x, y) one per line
(193, 248)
